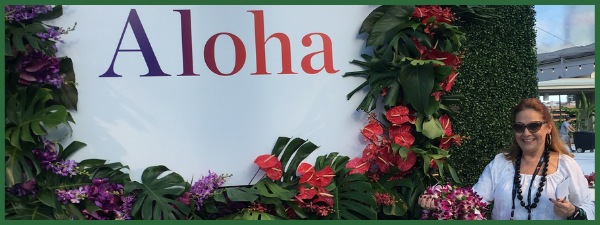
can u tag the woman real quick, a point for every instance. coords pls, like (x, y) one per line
(537, 178)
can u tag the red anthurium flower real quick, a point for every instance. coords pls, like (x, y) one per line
(404, 139)
(384, 161)
(420, 12)
(305, 168)
(322, 177)
(357, 165)
(409, 162)
(372, 130)
(370, 152)
(324, 196)
(445, 121)
(432, 164)
(396, 130)
(398, 115)
(271, 165)
(266, 161)
(445, 142)
(306, 193)
(437, 95)
(307, 172)
(449, 82)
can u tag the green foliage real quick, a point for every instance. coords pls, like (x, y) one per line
(498, 71)
(28, 114)
(155, 199)
(352, 193)
(20, 35)
(584, 114)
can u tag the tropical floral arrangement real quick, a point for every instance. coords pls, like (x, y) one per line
(455, 203)
(415, 61)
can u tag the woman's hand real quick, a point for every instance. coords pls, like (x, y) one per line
(427, 201)
(563, 208)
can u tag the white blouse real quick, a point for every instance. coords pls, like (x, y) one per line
(496, 182)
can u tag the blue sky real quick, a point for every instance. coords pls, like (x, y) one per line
(564, 26)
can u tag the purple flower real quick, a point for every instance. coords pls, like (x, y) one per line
(23, 189)
(46, 156)
(105, 195)
(74, 196)
(66, 168)
(455, 203)
(16, 13)
(37, 67)
(53, 34)
(205, 187)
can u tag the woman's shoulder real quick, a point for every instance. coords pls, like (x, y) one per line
(567, 160)
(500, 160)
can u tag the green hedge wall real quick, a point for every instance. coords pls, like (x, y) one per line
(499, 70)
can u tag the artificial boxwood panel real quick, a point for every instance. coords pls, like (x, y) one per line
(499, 70)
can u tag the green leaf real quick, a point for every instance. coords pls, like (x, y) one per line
(267, 188)
(392, 17)
(30, 212)
(372, 18)
(20, 166)
(417, 83)
(441, 73)
(300, 149)
(391, 98)
(279, 145)
(432, 107)
(353, 195)
(72, 148)
(453, 174)
(432, 129)
(29, 113)
(67, 95)
(251, 215)
(155, 197)
(241, 194)
(47, 197)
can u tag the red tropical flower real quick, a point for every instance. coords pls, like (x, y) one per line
(398, 115)
(370, 152)
(357, 165)
(271, 165)
(322, 177)
(449, 82)
(396, 130)
(404, 139)
(372, 130)
(305, 193)
(408, 163)
(306, 171)
(445, 121)
(445, 142)
(384, 161)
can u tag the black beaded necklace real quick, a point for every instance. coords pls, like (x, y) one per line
(517, 183)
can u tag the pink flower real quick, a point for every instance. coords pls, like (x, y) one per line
(455, 203)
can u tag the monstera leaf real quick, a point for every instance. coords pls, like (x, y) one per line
(27, 113)
(29, 212)
(20, 166)
(352, 193)
(251, 215)
(298, 148)
(155, 199)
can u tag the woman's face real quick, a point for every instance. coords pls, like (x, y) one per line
(528, 141)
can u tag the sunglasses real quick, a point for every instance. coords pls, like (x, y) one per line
(532, 127)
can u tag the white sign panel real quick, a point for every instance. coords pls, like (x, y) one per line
(198, 88)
